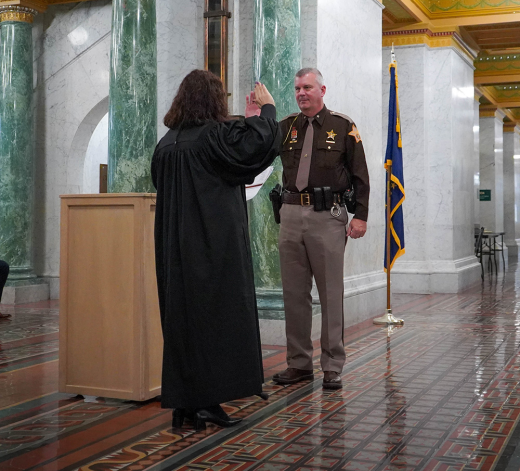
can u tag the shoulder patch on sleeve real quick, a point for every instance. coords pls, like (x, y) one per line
(290, 116)
(344, 116)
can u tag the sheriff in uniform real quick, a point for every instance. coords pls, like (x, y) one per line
(322, 151)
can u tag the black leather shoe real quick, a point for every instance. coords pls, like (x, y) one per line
(214, 415)
(331, 380)
(292, 375)
(264, 396)
(179, 415)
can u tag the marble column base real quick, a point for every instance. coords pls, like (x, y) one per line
(269, 300)
(272, 326)
(512, 248)
(54, 286)
(22, 292)
(443, 276)
(364, 298)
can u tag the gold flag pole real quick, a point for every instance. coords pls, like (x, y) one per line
(388, 318)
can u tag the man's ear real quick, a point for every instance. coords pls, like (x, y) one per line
(323, 90)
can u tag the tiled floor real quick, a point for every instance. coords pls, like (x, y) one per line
(440, 393)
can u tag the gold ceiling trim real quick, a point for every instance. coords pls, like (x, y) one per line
(501, 107)
(502, 65)
(17, 13)
(490, 15)
(427, 37)
(460, 9)
(36, 5)
(487, 113)
(497, 79)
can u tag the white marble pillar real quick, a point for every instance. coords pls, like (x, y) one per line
(436, 98)
(516, 157)
(348, 55)
(509, 191)
(476, 162)
(492, 170)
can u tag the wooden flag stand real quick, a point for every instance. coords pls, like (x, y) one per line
(388, 318)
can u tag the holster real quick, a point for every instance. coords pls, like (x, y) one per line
(275, 195)
(349, 197)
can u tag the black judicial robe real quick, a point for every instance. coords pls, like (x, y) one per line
(212, 351)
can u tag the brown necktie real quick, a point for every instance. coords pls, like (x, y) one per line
(302, 179)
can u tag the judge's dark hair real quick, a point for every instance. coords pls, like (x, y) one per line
(201, 97)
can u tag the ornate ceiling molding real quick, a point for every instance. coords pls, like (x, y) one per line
(425, 36)
(461, 8)
(17, 13)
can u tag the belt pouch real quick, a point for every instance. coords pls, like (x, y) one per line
(328, 197)
(318, 199)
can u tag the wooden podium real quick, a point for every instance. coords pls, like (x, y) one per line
(110, 329)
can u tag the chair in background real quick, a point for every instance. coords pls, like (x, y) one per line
(478, 248)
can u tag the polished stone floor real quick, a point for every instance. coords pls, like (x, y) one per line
(440, 393)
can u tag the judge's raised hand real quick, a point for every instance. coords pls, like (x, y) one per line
(252, 109)
(262, 95)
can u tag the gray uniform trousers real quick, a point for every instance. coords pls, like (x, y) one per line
(313, 243)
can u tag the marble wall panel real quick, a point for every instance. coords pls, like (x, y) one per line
(72, 49)
(241, 54)
(487, 170)
(476, 164)
(516, 144)
(72, 45)
(180, 49)
(411, 69)
(69, 31)
(309, 30)
(440, 151)
(491, 173)
(499, 173)
(509, 193)
(437, 114)
(463, 157)
(350, 56)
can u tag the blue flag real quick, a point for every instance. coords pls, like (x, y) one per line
(394, 157)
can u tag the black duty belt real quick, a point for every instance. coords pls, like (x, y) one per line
(305, 199)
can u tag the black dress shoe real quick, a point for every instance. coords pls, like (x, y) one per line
(332, 380)
(292, 375)
(264, 396)
(179, 415)
(214, 415)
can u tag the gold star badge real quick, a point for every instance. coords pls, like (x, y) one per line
(355, 133)
(331, 134)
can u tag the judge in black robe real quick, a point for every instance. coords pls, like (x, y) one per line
(212, 351)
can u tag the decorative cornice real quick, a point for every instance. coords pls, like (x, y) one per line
(509, 127)
(488, 112)
(17, 13)
(412, 37)
(500, 114)
(452, 8)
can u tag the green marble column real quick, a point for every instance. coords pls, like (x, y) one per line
(16, 140)
(132, 118)
(276, 58)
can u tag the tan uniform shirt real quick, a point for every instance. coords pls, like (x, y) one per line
(337, 149)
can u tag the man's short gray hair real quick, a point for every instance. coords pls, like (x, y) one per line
(311, 70)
